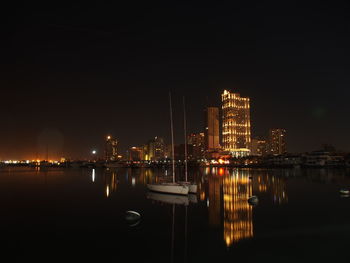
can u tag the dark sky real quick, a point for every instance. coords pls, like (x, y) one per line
(72, 74)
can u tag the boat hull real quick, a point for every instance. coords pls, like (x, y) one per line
(170, 188)
(192, 188)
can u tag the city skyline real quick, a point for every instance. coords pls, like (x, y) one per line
(77, 74)
(98, 150)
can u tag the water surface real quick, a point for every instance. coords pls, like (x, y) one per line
(79, 214)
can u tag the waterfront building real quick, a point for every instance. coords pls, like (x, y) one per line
(236, 135)
(198, 145)
(212, 134)
(179, 151)
(253, 147)
(156, 149)
(277, 144)
(135, 154)
(258, 147)
(111, 151)
(262, 147)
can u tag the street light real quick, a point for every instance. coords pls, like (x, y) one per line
(94, 152)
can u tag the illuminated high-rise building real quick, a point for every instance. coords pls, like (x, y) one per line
(277, 143)
(111, 152)
(235, 124)
(212, 134)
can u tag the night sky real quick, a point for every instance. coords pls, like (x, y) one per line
(72, 74)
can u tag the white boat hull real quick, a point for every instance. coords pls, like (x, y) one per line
(192, 187)
(171, 188)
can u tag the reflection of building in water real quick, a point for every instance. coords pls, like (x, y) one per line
(238, 214)
(275, 185)
(214, 200)
(111, 183)
(201, 191)
(279, 190)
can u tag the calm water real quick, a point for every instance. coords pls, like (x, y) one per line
(79, 214)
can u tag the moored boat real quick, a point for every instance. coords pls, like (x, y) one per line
(172, 188)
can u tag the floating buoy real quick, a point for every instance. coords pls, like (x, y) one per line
(253, 200)
(132, 217)
(344, 191)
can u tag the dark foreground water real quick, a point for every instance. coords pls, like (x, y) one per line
(79, 215)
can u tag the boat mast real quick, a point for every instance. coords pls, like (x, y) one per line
(183, 100)
(172, 137)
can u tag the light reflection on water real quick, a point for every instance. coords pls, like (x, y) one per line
(220, 206)
(224, 191)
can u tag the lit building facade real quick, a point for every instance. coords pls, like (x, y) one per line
(111, 151)
(236, 135)
(135, 154)
(198, 144)
(253, 147)
(277, 143)
(258, 147)
(154, 150)
(212, 133)
(262, 147)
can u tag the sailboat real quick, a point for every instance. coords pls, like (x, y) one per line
(172, 187)
(192, 186)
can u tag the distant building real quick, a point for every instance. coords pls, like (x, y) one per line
(235, 124)
(179, 151)
(277, 141)
(135, 154)
(212, 133)
(111, 151)
(258, 147)
(154, 150)
(262, 147)
(198, 145)
(253, 147)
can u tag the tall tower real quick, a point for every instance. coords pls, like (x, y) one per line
(277, 141)
(235, 123)
(111, 153)
(212, 135)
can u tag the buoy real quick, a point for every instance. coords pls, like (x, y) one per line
(132, 217)
(344, 191)
(253, 200)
